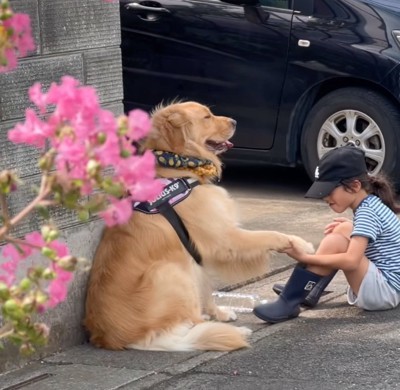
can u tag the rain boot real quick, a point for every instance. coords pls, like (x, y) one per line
(315, 294)
(287, 306)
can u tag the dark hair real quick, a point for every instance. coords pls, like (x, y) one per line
(378, 185)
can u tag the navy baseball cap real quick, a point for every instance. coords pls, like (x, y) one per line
(338, 164)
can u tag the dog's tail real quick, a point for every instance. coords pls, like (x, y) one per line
(206, 336)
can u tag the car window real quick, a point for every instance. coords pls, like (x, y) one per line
(276, 3)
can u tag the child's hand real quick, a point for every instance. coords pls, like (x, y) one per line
(299, 248)
(337, 221)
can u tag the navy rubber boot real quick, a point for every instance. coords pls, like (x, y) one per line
(287, 306)
(315, 294)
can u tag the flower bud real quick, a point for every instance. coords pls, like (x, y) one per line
(48, 252)
(49, 233)
(68, 263)
(13, 309)
(122, 122)
(41, 297)
(125, 153)
(28, 304)
(25, 284)
(101, 138)
(48, 274)
(45, 163)
(4, 291)
(93, 167)
(8, 182)
(42, 330)
(35, 273)
(26, 349)
(11, 305)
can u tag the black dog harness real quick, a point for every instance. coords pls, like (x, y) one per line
(174, 191)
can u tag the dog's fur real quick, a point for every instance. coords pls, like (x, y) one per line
(145, 290)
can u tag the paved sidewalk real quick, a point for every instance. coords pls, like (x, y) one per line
(333, 346)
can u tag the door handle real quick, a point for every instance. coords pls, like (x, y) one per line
(140, 7)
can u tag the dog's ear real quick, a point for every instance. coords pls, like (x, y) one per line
(175, 125)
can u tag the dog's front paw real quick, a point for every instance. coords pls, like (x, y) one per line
(225, 314)
(298, 242)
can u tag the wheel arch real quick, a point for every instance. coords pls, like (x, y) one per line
(314, 94)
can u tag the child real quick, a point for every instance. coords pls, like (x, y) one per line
(367, 250)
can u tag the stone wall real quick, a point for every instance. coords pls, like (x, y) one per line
(80, 38)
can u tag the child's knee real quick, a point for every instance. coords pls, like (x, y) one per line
(335, 242)
(344, 229)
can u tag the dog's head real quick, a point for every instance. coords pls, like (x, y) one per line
(190, 129)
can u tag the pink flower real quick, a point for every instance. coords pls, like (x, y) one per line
(137, 173)
(15, 40)
(11, 60)
(139, 124)
(60, 248)
(37, 97)
(58, 288)
(10, 251)
(22, 33)
(33, 132)
(10, 267)
(118, 212)
(35, 238)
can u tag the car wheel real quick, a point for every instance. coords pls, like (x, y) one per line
(354, 115)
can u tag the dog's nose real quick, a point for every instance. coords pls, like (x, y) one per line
(233, 122)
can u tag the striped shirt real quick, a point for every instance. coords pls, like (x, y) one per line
(375, 221)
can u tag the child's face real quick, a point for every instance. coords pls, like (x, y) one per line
(342, 198)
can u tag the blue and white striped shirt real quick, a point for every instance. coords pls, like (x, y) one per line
(375, 221)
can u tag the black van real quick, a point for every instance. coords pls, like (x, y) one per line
(299, 76)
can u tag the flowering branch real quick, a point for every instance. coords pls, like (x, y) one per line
(89, 164)
(15, 37)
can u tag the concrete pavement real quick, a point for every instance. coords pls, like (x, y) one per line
(333, 346)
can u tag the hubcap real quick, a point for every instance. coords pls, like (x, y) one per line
(350, 126)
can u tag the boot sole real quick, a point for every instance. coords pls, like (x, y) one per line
(275, 320)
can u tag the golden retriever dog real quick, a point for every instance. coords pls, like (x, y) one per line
(145, 290)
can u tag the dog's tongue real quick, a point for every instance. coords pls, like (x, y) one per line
(228, 145)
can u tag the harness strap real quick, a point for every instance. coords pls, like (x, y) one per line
(174, 192)
(175, 220)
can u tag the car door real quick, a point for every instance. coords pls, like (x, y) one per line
(230, 57)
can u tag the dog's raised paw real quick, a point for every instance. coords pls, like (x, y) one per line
(300, 243)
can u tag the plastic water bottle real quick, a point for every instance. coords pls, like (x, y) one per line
(238, 302)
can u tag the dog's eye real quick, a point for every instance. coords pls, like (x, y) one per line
(207, 117)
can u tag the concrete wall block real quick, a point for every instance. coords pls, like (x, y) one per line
(14, 86)
(103, 70)
(20, 158)
(29, 7)
(78, 24)
(63, 218)
(116, 108)
(66, 319)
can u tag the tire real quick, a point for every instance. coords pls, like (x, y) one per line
(374, 127)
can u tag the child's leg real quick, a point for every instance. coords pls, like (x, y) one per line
(374, 292)
(338, 242)
(303, 280)
(335, 242)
